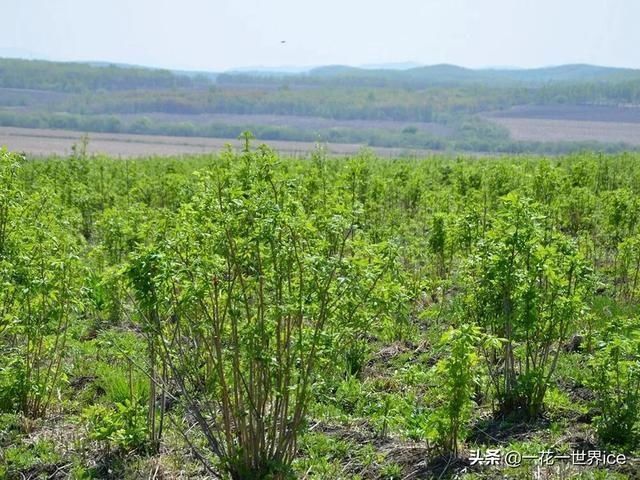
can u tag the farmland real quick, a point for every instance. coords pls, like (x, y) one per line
(248, 314)
(606, 124)
(552, 130)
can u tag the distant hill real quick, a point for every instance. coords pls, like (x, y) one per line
(391, 66)
(76, 77)
(569, 73)
(277, 71)
(445, 74)
(86, 76)
(437, 75)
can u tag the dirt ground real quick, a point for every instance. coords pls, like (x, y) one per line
(40, 142)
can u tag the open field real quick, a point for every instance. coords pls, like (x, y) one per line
(571, 123)
(41, 142)
(548, 130)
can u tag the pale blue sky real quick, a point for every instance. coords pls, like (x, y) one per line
(223, 34)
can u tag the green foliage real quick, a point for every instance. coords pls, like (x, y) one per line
(628, 268)
(123, 426)
(456, 377)
(9, 195)
(19, 458)
(391, 471)
(123, 383)
(616, 381)
(239, 295)
(40, 275)
(242, 302)
(438, 242)
(528, 289)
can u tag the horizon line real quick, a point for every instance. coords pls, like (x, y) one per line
(296, 69)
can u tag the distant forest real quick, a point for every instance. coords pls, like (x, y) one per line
(111, 98)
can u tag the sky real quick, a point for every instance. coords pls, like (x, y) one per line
(218, 35)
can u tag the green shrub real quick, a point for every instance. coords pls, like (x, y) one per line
(527, 286)
(39, 294)
(240, 294)
(456, 377)
(616, 380)
(122, 426)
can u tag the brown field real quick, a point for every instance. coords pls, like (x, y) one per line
(40, 142)
(558, 130)
(572, 123)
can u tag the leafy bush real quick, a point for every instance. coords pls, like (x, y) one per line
(240, 295)
(39, 273)
(528, 288)
(616, 381)
(456, 376)
(122, 426)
